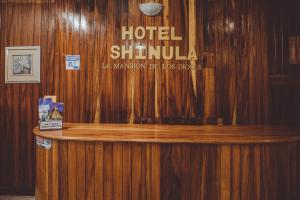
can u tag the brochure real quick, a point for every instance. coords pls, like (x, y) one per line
(50, 114)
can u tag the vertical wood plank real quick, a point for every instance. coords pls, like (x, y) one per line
(90, 171)
(55, 170)
(171, 171)
(246, 170)
(80, 170)
(63, 170)
(196, 168)
(99, 169)
(225, 172)
(186, 173)
(146, 171)
(136, 172)
(155, 171)
(236, 171)
(127, 171)
(117, 171)
(72, 170)
(298, 166)
(257, 172)
(99, 58)
(192, 39)
(107, 171)
(41, 190)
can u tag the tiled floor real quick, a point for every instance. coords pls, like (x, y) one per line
(16, 198)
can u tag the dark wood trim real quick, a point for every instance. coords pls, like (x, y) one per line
(278, 80)
(17, 191)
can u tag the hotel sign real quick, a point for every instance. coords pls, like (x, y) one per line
(142, 52)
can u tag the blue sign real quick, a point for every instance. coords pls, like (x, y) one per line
(72, 62)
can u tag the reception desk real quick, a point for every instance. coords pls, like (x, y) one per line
(167, 162)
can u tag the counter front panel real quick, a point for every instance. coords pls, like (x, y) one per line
(88, 165)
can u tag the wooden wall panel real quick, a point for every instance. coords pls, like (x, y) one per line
(283, 41)
(284, 67)
(230, 37)
(17, 101)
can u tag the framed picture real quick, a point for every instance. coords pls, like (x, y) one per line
(22, 64)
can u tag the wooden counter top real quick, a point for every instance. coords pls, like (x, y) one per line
(155, 133)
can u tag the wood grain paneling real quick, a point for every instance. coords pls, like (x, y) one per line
(171, 171)
(240, 42)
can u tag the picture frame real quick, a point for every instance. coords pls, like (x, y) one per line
(22, 64)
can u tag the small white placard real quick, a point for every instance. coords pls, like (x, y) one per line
(51, 125)
(42, 142)
(72, 62)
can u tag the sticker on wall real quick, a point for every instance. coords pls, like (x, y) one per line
(72, 62)
(42, 142)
